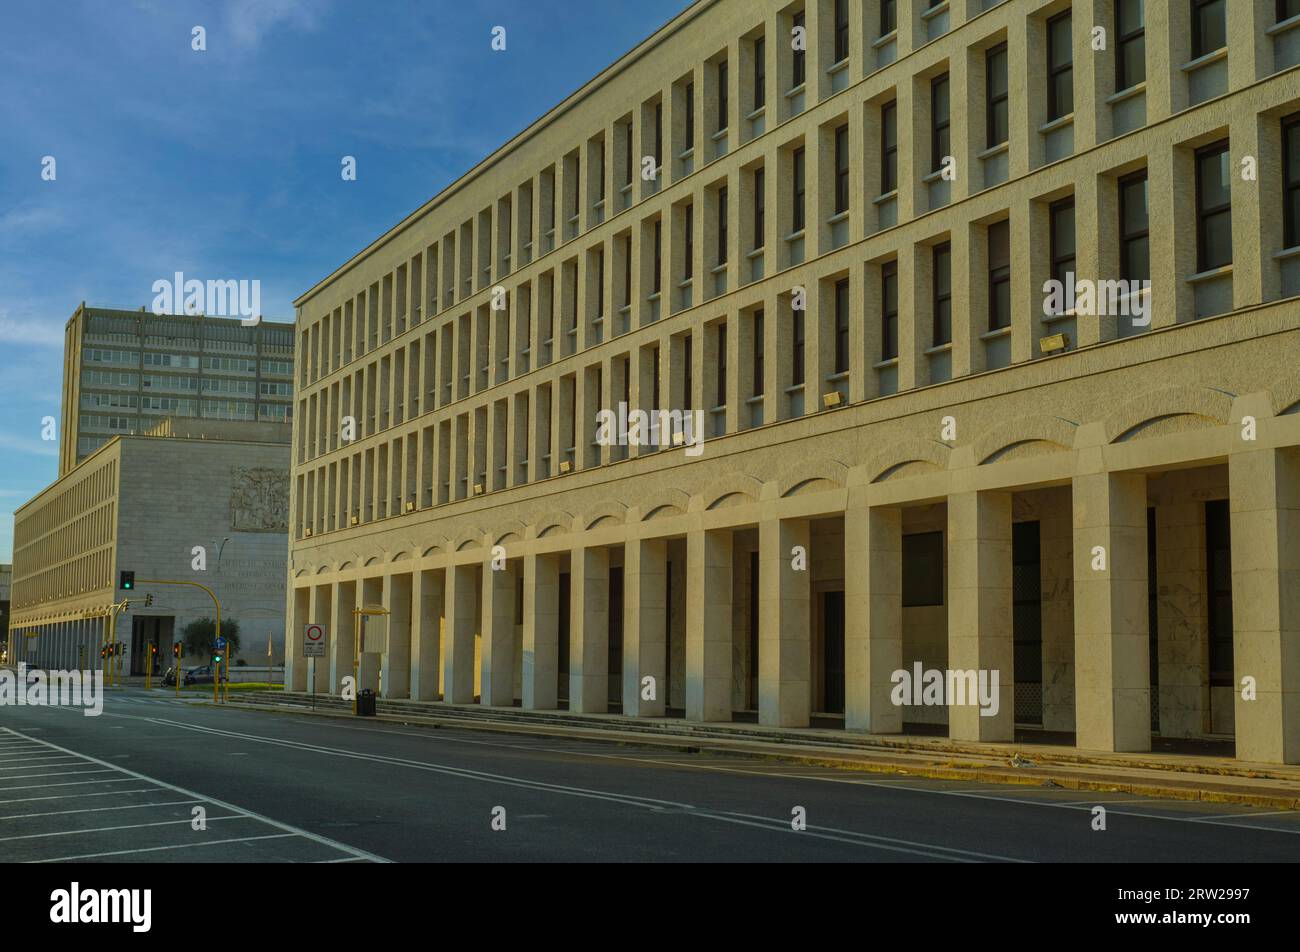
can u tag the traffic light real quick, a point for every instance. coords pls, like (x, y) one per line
(216, 657)
(148, 599)
(176, 650)
(153, 650)
(127, 581)
(103, 654)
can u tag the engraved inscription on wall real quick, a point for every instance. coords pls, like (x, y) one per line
(259, 499)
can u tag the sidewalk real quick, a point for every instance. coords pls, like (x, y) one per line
(1164, 775)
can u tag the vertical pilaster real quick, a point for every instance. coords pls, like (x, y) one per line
(498, 674)
(589, 631)
(873, 617)
(461, 605)
(645, 581)
(708, 625)
(541, 631)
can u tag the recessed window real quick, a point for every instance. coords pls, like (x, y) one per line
(1060, 66)
(760, 207)
(796, 348)
(996, 121)
(922, 569)
(758, 353)
(722, 95)
(1209, 26)
(1135, 254)
(689, 250)
(798, 64)
(939, 141)
(688, 381)
(659, 134)
(888, 147)
(942, 259)
(658, 254)
(842, 169)
(690, 115)
(888, 17)
(842, 326)
(1213, 207)
(1061, 241)
(889, 311)
(1291, 173)
(798, 185)
(841, 30)
(1130, 43)
(722, 225)
(760, 72)
(722, 365)
(1286, 9)
(999, 275)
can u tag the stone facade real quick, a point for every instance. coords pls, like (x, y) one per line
(445, 459)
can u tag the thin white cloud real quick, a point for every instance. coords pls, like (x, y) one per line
(250, 20)
(41, 333)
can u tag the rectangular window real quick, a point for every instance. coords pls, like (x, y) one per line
(690, 242)
(1286, 9)
(999, 275)
(760, 208)
(942, 330)
(760, 73)
(888, 17)
(842, 326)
(922, 569)
(688, 380)
(888, 147)
(1060, 66)
(722, 365)
(1209, 26)
(690, 115)
(722, 225)
(722, 95)
(796, 350)
(600, 164)
(659, 134)
(1213, 207)
(658, 248)
(798, 190)
(1061, 240)
(758, 353)
(996, 122)
(842, 169)
(600, 283)
(1134, 252)
(841, 30)
(798, 55)
(627, 271)
(1130, 43)
(889, 311)
(938, 121)
(627, 156)
(1291, 176)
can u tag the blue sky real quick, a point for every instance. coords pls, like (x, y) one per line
(225, 163)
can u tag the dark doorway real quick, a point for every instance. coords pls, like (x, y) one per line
(616, 639)
(1153, 620)
(1218, 555)
(1027, 621)
(562, 689)
(752, 703)
(833, 652)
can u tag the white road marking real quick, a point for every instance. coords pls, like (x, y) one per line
(290, 830)
(180, 846)
(110, 829)
(122, 806)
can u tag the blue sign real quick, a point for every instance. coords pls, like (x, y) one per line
(221, 642)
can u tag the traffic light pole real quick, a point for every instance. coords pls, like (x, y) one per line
(216, 675)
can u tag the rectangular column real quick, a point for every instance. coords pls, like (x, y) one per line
(589, 631)
(396, 664)
(340, 637)
(1112, 674)
(645, 582)
(498, 674)
(1264, 490)
(980, 644)
(785, 624)
(541, 631)
(461, 605)
(708, 625)
(873, 618)
(427, 592)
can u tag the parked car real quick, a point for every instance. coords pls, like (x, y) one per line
(200, 675)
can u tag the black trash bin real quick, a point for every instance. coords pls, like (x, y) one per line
(366, 703)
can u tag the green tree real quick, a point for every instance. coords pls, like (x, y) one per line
(200, 635)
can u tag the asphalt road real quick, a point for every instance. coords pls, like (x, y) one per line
(270, 787)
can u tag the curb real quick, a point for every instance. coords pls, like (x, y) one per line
(1096, 782)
